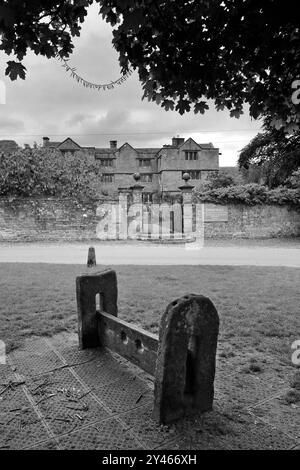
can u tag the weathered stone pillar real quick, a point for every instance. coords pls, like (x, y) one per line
(124, 194)
(136, 209)
(177, 209)
(185, 368)
(88, 288)
(137, 189)
(187, 206)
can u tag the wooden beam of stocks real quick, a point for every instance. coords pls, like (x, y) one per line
(182, 358)
(135, 344)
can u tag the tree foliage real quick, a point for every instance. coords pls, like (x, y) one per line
(275, 154)
(294, 180)
(219, 180)
(186, 52)
(249, 194)
(45, 172)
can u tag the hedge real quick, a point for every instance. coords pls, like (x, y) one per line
(249, 194)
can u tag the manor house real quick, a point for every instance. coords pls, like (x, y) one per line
(161, 169)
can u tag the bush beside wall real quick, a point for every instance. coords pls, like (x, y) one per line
(249, 194)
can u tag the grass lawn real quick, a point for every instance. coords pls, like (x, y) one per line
(259, 321)
(258, 307)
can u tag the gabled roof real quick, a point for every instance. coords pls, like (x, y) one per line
(142, 152)
(69, 144)
(126, 144)
(110, 152)
(201, 146)
(189, 140)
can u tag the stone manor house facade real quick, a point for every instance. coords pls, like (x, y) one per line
(160, 169)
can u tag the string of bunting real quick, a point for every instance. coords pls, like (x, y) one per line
(86, 83)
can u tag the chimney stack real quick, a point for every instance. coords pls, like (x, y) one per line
(176, 141)
(113, 144)
(45, 141)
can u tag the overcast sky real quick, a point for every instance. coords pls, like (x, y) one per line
(50, 103)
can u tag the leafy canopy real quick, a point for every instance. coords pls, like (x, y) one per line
(275, 154)
(186, 52)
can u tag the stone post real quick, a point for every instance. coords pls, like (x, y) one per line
(187, 206)
(88, 287)
(136, 210)
(186, 359)
(177, 209)
(137, 190)
(124, 194)
(91, 261)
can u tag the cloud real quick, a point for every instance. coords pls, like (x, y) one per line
(77, 119)
(10, 124)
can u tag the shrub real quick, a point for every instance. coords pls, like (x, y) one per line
(46, 172)
(294, 180)
(216, 181)
(249, 194)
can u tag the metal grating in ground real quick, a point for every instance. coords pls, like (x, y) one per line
(104, 435)
(18, 421)
(64, 403)
(62, 398)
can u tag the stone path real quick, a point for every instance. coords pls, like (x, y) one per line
(149, 254)
(53, 396)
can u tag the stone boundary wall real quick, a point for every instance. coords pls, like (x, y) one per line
(54, 219)
(46, 219)
(259, 221)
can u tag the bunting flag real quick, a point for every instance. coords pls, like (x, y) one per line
(87, 84)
